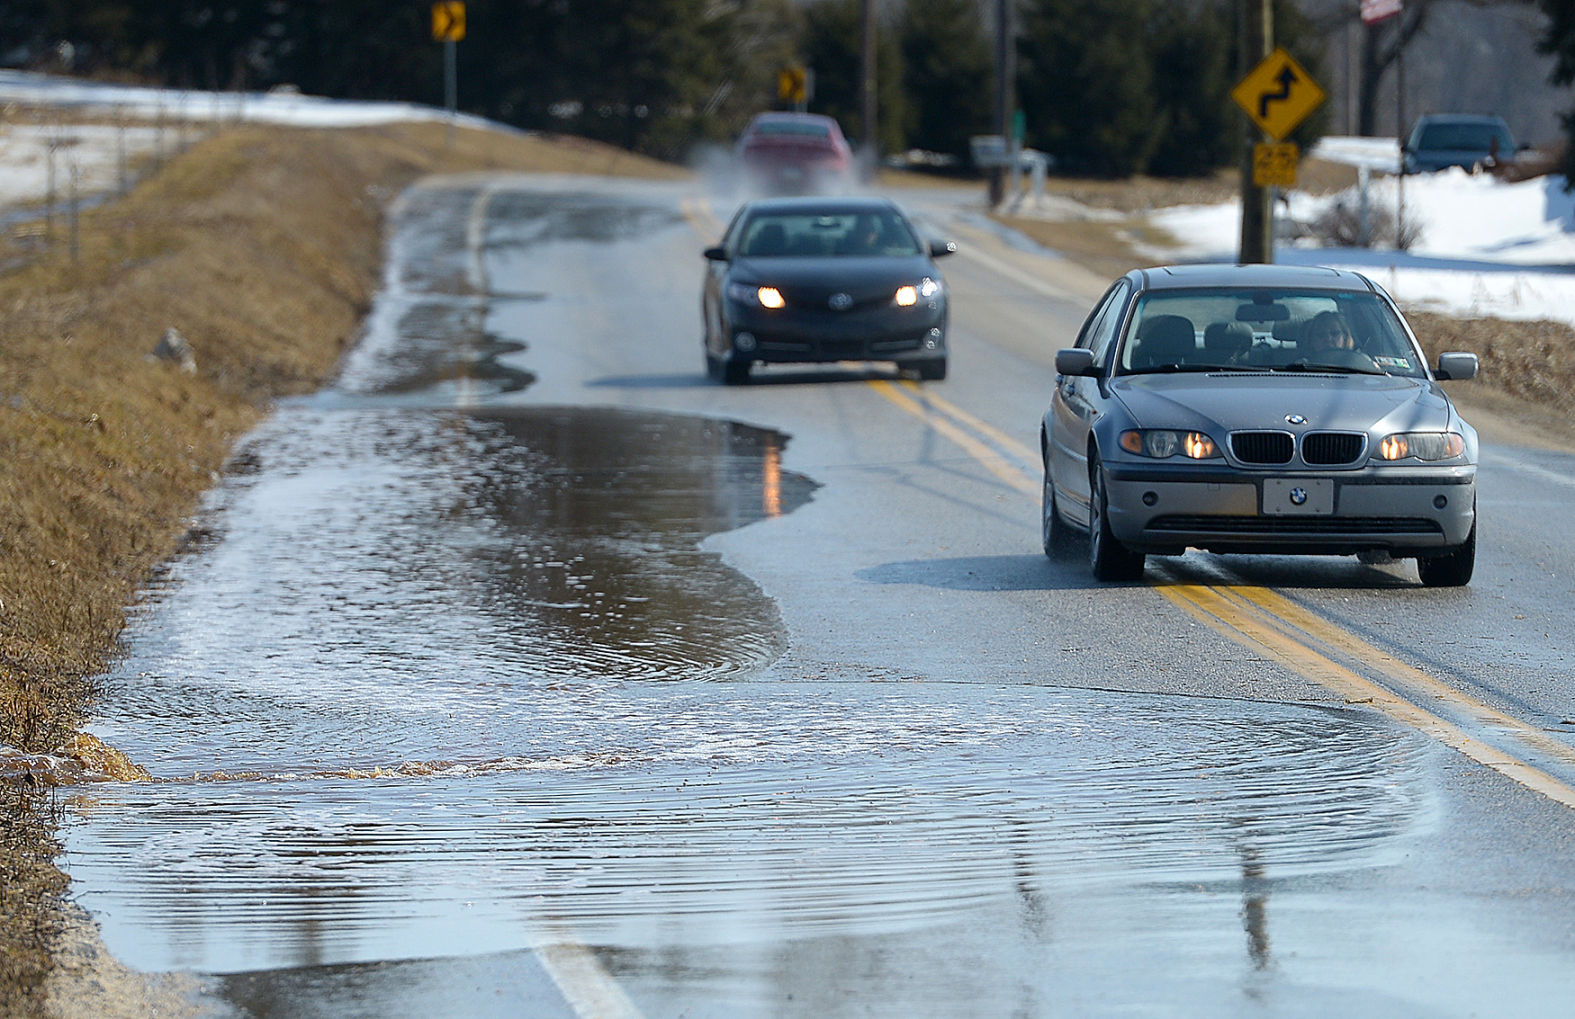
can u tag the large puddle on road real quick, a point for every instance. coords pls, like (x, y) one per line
(454, 679)
(640, 815)
(386, 586)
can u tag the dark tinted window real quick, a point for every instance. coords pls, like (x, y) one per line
(872, 232)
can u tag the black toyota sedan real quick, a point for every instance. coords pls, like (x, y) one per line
(806, 280)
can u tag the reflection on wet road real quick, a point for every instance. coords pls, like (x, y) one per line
(634, 815)
(457, 676)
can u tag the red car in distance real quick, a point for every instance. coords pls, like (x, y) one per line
(795, 153)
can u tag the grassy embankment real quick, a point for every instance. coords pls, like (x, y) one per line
(262, 246)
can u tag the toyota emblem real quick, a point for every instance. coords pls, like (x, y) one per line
(1298, 496)
(841, 302)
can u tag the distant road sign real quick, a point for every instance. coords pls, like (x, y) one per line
(1278, 94)
(448, 21)
(793, 84)
(1274, 165)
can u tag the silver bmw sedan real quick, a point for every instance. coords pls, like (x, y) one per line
(1257, 409)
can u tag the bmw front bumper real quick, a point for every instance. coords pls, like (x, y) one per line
(1404, 510)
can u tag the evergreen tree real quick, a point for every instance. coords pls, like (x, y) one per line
(833, 37)
(1196, 125)
(1558, 40)
(948, 74)
(1085, 83)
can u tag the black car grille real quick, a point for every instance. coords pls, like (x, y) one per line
(1270, 525)
(1319, 449)
(1262, 447)
(842, 350)
(818, 300)
(1330, 449)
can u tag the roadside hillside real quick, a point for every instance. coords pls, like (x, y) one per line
(261, 248)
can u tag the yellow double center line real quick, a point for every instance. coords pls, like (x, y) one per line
(1300, 640)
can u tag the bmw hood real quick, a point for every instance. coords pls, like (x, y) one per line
(1221, 403)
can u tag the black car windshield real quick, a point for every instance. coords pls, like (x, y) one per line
(1463, 137)
(1266, 329)
(866, 232)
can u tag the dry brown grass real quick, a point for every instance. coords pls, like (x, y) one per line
(262, 247)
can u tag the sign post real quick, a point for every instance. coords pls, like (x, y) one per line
(1276, 95)
(448, 28)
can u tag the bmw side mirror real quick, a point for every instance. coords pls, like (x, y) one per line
(716, 254)
(1075, 361)
(939, 249)
(1456, 366)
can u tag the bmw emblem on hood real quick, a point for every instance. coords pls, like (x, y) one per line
(841, 302)
(1296, 419)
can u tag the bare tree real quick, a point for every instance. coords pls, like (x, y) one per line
(1383, 43)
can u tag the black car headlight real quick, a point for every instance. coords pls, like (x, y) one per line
(1162, 443)
(753, 294)
(1428, 446)
(912, 293)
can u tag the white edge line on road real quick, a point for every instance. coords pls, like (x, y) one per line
(587, 986)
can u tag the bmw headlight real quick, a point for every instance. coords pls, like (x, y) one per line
(1430, 446)
(1161, 443)
(747, 293)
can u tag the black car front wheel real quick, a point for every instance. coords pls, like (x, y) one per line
(1109, 559)
(735, 373)
(932, 371)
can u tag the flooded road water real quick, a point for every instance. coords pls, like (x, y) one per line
(454, 676)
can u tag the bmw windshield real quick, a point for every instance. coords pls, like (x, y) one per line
(1264, 329)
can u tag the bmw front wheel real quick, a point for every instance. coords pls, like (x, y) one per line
(1109, 559)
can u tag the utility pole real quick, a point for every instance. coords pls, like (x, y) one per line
(1257, 219)
(1003, 96)
(868, 69)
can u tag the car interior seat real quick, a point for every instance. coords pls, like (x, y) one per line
(1165, 339)
(1227, 342)
(770, 239)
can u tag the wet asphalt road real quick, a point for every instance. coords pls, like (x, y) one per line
(527, 671)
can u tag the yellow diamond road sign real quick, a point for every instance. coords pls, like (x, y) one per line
(1278, 94)
(448, 21)
(793, 84)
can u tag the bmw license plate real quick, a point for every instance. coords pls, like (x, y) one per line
(1297, 497)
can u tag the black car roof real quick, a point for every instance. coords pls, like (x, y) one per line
(835, 206)
(1310, 277)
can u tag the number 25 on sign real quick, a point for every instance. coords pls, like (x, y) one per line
(1274, 165)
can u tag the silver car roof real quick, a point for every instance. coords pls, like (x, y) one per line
(1302, 277)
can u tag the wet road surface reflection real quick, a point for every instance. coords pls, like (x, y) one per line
(639, 816)
(387, 584)
(457, 677)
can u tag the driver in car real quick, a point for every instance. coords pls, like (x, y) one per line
(1328, 331)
